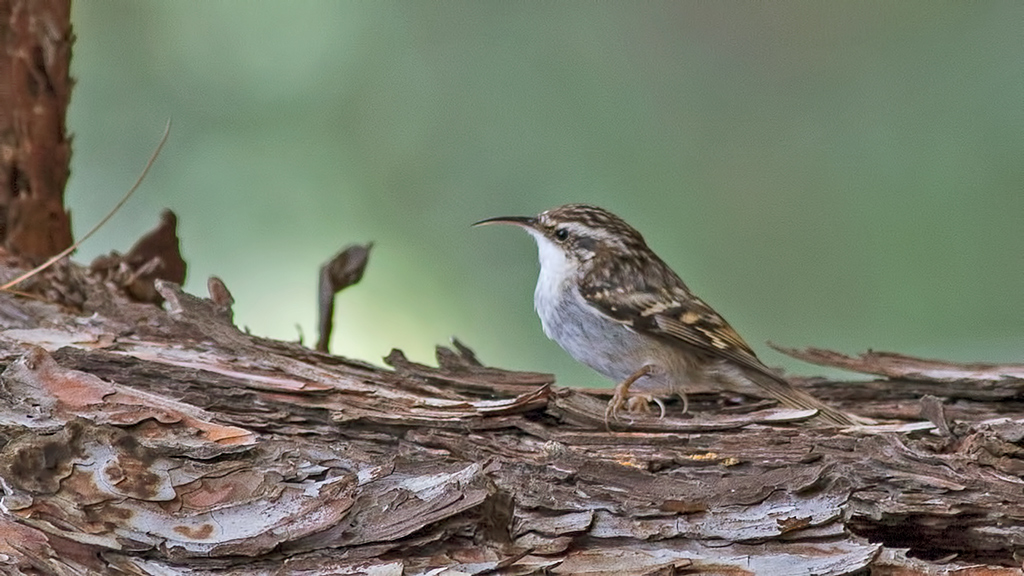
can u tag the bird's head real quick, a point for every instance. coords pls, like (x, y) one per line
(576, 233)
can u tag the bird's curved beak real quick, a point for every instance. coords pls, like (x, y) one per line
(524, 221)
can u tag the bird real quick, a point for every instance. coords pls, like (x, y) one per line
(613, 305)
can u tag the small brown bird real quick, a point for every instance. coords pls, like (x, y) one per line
(615, 306)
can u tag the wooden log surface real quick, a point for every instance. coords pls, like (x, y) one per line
(139, 440)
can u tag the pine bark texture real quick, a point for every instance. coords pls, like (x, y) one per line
(35, 151)
(142, 441)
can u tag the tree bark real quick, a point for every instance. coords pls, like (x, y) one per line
(137, 440)
(35, 153)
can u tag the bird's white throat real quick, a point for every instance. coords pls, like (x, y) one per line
(556, 270)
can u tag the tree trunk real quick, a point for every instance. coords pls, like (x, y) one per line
(35, 89)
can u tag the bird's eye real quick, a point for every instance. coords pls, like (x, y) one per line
(561, 234)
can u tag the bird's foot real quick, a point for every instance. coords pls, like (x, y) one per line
(639, 403)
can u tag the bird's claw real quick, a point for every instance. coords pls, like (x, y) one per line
(638, 404)
(619, 398)
(611, 412)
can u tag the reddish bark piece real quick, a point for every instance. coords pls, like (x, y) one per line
(35, 151)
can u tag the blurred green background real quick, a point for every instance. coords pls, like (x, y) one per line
(841, 175)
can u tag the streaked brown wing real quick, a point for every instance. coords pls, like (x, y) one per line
(677, 316)
(644, 294)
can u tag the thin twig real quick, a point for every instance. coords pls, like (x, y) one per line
(73, 247)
